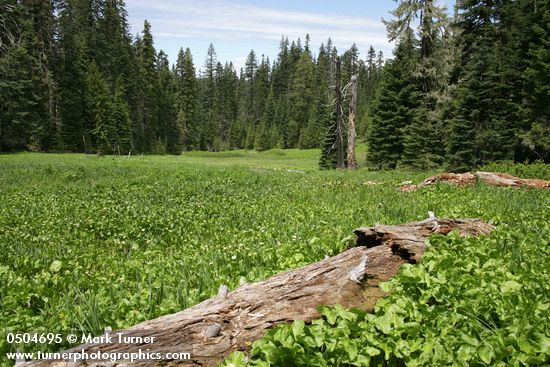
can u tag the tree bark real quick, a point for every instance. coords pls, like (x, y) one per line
(339, 122)
(351, 123)
(231, 321)
(470, 178)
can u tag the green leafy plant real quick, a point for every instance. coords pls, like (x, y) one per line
(88, 243)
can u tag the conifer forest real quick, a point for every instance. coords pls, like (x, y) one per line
(462, 88)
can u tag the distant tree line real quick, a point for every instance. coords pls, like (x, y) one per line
(76, 80)
(459, 91)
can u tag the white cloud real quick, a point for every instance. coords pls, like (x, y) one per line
(239, 63)
(223, 20)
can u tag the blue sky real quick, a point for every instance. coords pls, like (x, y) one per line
(237, 26)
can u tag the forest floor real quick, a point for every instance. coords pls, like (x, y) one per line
(90, 242)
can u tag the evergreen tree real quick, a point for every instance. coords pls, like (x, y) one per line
(261, 88)
(328, 158)
(226, 101)
(48, 137)
(369, 76)
(146, 128)
(75, 22)
(24, 114)
(537, 80)
(19, 105)
(301, 99)
(484, 102)
(419, 135)
(120, 116)
(395, 106)
(98, 104)
(281, 71)
(249, 110)
(187, 100)
(169, 132)
(208, 91)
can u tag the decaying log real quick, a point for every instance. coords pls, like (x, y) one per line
(470, 178)
(232, 320)
(408, 240)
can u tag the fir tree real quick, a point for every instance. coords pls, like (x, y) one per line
(120, 116)
(147, 129)
(537, 88)
(208, 91)
(187, 100)
(395, 106)
(24, 112)
(301, 99)
(99, 106)
(484, 102)
(249, 97)
(166, 115)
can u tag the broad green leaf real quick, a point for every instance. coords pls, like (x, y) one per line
(55, 266)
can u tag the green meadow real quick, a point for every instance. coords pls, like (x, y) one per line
(89, 242)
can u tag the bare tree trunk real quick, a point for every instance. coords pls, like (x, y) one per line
(351, 123)
(232, 320)
(339, 122)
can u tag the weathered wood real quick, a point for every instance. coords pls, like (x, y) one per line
(233, 320)
(408, 240)
(339, 117)
(470, 178)
(503, 179)
(351, 123)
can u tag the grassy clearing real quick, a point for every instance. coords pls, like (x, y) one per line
(88, 243)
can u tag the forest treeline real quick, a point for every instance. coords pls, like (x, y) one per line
(459, 90)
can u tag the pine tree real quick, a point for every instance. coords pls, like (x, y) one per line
(419, 135)
(99, 106)
(326, 116)
(537, 88)
(369, 76)
(301, 98)
(226, 101)
(18, 103)
(261, 139)
(261, 88)
(74, 49)
(187, 100)
(48, 137)
(249, 109)
(120, 116)
(166, 115)
(208, 91)
(250, 137)
(395, 106)
(24, 113)
(146, 129)
(281, 70)
(328, 158)
(484, 100)
(422, 140)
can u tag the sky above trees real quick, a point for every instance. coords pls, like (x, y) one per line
(235, 27)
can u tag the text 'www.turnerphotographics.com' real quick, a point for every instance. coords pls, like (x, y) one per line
(110, 346)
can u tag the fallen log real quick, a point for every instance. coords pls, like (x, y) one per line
(232, 320)
(470, 178)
